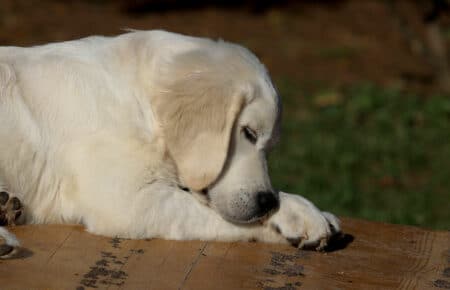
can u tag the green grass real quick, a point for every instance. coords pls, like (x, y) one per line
(367, 152)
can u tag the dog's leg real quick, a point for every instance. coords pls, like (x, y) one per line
(161, 211)
(297, 222)
(10, 211)
(172, 213)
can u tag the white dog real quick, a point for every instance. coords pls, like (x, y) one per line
(147, 134)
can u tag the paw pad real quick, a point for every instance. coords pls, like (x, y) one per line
(6, 250)
(10, 209)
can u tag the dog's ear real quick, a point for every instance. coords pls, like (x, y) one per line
(197, 112)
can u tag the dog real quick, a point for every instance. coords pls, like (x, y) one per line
(148, 134)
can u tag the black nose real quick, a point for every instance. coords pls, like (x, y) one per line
(267, 201)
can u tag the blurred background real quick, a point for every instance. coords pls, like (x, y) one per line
(365, 86)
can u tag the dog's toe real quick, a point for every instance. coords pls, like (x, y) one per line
(16, 204)
(4, 197)
(10, 209)
(6, 250)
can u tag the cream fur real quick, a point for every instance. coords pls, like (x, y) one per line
(104, 131)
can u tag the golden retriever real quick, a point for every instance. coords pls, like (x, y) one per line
(147, 134)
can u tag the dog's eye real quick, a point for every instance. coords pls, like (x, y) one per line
(250, 134)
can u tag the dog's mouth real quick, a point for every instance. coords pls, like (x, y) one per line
(184, 188)
(253, 220)
(204, 191)
(202, 195)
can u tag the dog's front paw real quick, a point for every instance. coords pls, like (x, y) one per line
(10, 209)
(302, 224)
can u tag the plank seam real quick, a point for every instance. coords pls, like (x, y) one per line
(193, 264)
(59, 247)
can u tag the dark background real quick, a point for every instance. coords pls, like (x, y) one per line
(365, 86)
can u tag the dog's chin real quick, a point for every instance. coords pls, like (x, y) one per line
(255, 219)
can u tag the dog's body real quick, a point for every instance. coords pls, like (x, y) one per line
(148, 134)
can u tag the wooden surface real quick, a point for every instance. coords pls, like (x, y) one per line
(370, 256)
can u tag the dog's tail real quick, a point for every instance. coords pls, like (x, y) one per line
(10, 246)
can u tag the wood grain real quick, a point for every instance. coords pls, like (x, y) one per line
(369, 256)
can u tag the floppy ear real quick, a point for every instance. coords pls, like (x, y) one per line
(197, 112)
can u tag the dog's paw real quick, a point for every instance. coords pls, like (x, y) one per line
(302, 224)
(9, 245)
(7, 251)
(10, 209)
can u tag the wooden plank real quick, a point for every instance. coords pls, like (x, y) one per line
(30, 271)
(246, 266)
(370, 256)
(382, 256)
(160, 264)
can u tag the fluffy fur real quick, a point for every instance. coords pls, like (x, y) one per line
(146, 135)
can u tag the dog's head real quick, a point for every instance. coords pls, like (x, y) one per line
(220, 114)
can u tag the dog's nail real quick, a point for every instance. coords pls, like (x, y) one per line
(322, 244)
(303, 240)
(301, 245)
(4, 196)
